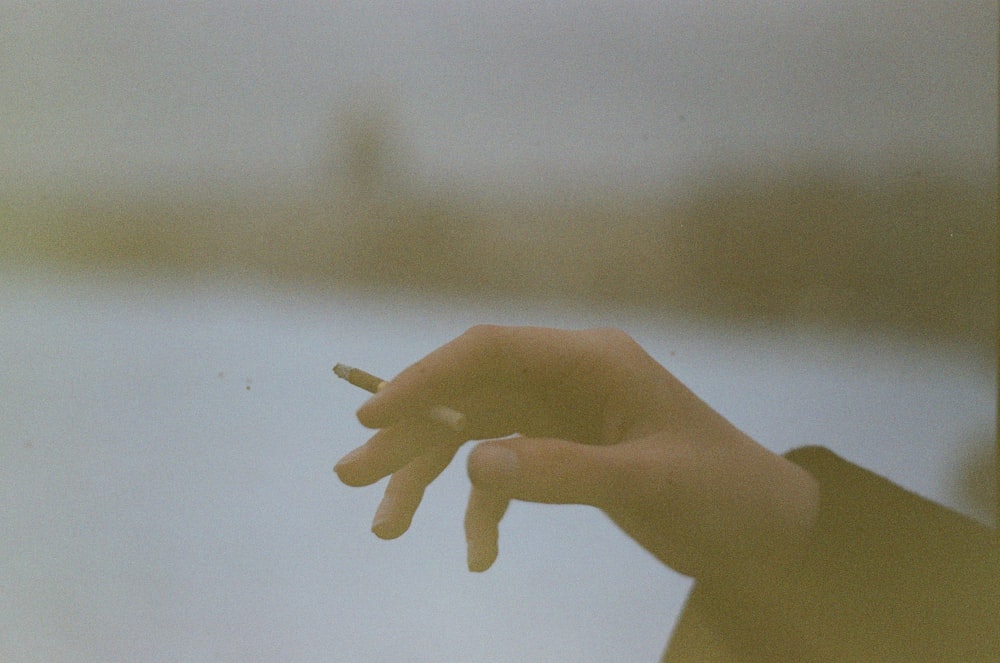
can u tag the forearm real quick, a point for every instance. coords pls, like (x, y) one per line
(886, 575)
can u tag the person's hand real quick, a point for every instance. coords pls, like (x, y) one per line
(595, 421)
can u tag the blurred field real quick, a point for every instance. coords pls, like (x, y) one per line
(906, 250)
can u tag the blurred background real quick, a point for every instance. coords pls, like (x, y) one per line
(203, 206)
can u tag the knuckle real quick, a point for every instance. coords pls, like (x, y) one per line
(485, 331)
(488, 343)
(485, 335)
(615, 337)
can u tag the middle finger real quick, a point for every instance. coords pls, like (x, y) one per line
(392, 448)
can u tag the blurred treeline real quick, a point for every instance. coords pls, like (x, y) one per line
(905, 249)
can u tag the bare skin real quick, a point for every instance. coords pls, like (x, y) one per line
(594, 420)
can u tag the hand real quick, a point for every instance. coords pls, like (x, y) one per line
(596, 421)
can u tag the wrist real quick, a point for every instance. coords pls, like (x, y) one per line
(786, 534)
(801, 506)
(773, 525)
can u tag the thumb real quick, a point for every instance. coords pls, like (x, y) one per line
(528, 469)
(545, 470)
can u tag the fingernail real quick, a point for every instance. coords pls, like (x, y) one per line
(374, 398)
(364, 413)
(389, 522)
(380, 528)
(480, 556)
(349, 458)
(381, 521)
(493, 463)
(343, 468)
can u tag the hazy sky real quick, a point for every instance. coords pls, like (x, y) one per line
(526, 94)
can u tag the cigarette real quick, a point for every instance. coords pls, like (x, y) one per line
(443, 415)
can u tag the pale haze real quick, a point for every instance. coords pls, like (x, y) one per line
(590, 94)
(167, 440)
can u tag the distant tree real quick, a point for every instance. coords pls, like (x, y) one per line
(366, 155)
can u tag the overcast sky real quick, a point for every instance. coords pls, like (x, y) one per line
(233, 92)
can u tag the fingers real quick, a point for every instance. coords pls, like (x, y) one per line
(566, 392)
(440, 378)
(392, 448)
(482, 518)
(405, 490)
(535, 381)
(551, 471)
(537, 470)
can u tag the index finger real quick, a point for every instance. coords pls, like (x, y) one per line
(442, 378)
(530, 380)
